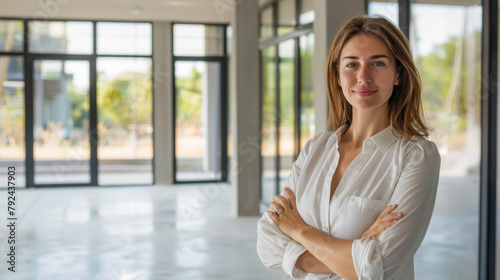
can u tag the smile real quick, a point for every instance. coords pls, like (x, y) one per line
(364, 92)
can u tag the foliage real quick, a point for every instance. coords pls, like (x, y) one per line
(189, 99)
(437, 70)
(125, 100)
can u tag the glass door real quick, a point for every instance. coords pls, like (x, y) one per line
(61, 146)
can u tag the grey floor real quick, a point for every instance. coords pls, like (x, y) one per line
(188, 232)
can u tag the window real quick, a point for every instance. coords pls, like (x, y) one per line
(74, 76)
(286, 16)
(306, 12)
(388, 9)
(12, 135)
(11, 36)
(449, 62)
(200, 64)
(62, 37)
(125, 115)
(307, 125)
(287, 98)
(129, 38)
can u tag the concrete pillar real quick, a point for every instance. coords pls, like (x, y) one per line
(244, 98)
(162, 96)
(329, 17)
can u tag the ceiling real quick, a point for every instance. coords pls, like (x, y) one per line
(203, 11)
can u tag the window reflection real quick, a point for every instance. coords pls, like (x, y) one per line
(286, 16)
(446, 42)
(197, 90)
(268, 141)
(307, 124)
(124, 38)
(124, 102)
(198, 40)
(388, 9)
(287, 109)
(11, 35)
(266, 22)
(306, 11)
(64, 37)
(61, 148)
(12, 143)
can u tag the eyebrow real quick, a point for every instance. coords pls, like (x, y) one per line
(371, 57)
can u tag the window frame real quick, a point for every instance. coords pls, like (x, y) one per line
(30, 57)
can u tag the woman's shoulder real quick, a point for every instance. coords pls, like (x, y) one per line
(421, 149)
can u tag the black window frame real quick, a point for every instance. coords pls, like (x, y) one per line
(223, 61)
(30, 57)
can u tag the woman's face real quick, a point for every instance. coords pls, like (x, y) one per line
(367, 72)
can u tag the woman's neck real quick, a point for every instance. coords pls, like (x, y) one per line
(364, 125)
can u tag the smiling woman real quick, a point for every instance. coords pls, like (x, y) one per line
(367, 67)
(359, 199)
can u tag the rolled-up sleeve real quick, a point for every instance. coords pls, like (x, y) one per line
(415, 195)
(275, 249)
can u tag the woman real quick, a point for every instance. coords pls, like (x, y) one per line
(327, 227)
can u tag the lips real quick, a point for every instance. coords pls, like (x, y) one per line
(364, 92)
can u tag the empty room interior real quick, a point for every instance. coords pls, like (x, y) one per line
(146, 139)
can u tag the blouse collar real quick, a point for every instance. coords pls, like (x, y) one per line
(384, 139)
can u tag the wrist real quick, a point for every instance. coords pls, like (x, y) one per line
(300, 233)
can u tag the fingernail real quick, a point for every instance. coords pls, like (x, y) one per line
(394, 221)
(399, 214)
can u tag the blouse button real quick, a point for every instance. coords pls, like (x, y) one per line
(325, 228)
(334, 197)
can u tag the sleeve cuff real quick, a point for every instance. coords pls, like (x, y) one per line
(367, 259)
(292, 253)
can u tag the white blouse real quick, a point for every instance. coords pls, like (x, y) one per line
(389, 170)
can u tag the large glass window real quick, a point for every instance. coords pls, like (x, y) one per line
(268, 139)
(11, 36)
(307, 124)
(76, 77)
(125, 128)
(63, 37)
(61, 148)
(12, 136)
(200, 114)
(287, 132)
(286, 91)
(306, 12)
(197, 130)
(198, 40)
(128, 38)
(388, 9)
(266, 22)
(286, 16)
(449, 62)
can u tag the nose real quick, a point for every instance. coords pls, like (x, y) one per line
(364, 76)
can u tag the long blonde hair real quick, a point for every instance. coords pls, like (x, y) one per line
(405, 104)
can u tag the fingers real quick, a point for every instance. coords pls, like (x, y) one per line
(276, 206)
(388, 209)
(282, 202)
(273, 216)
(291, 197)
(385, 220)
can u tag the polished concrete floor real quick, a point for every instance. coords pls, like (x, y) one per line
(188, 232)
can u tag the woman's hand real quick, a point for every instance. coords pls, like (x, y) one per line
(386, 219)
(286, 216)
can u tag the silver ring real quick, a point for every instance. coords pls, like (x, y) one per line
(279, 211)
